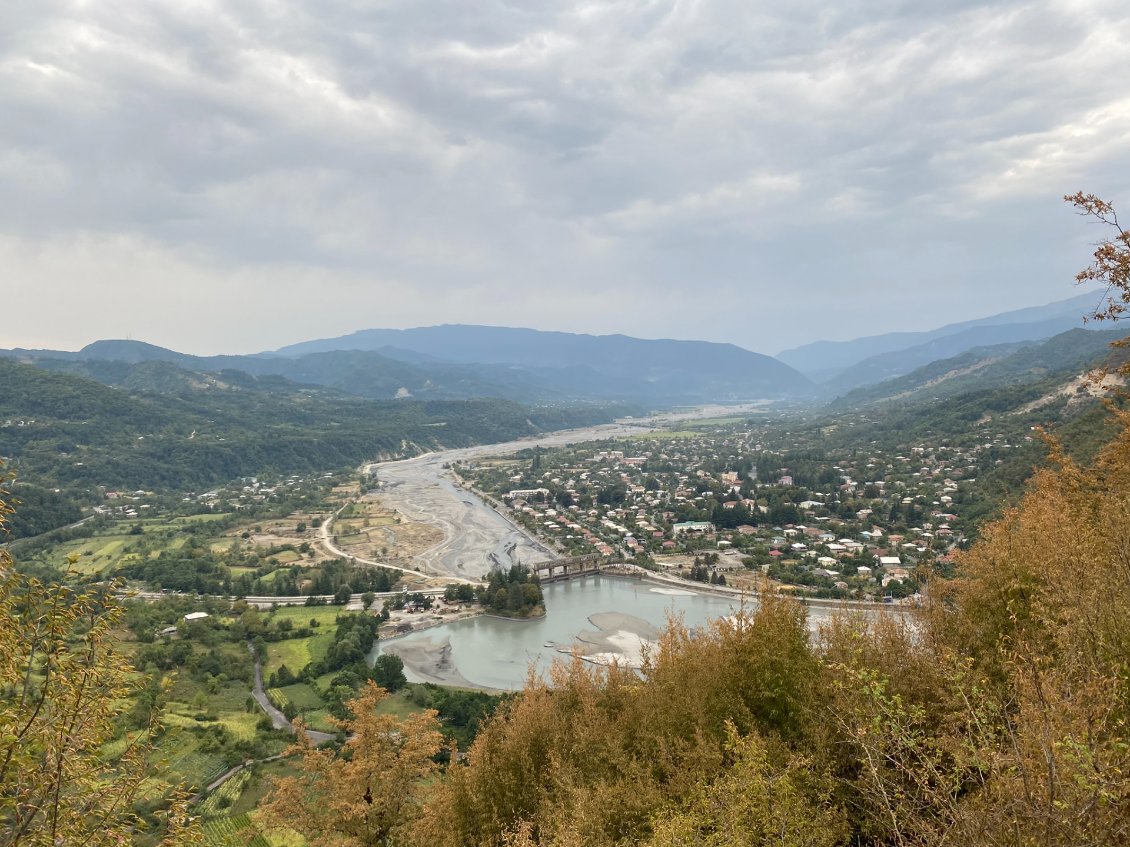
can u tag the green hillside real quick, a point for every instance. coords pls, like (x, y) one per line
(70, 431)
(1067, 354)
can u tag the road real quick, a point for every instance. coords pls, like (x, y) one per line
(327, 542)
(278, 719)
(355, 602)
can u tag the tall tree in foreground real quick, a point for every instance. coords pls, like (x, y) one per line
(370, 794)
(63, 692)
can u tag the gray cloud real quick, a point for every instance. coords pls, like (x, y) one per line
(234, 176)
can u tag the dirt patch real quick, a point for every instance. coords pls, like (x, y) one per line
(369, 529)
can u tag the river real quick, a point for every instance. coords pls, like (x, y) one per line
(611, 615)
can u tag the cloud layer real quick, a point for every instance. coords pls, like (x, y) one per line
(228, 177)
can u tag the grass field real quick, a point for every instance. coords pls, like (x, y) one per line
(242, 725)
(301, 695)
(223, 798)
(709, 423)
(258, 788)
(319, 719)
(326, 616)
(297, 653)
(398, 704)
(206, 518)
(181, 753)
(100, 553)
(232, 832)
(117, 544)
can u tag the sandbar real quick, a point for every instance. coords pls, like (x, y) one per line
(430, 660)
(620, 638)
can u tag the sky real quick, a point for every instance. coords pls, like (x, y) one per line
(230, 177)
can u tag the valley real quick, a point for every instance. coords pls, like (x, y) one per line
(277, 546)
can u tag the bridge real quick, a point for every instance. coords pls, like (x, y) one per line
(556, 570)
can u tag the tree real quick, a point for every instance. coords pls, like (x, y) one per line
(1111, 259)
(756, 802)
(64, 691)
(388, 672)
(372, 791)
(367, 599)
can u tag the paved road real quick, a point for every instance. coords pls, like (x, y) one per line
(355, 602)
(278, 719)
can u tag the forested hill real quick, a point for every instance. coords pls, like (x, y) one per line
(825, 360)
(464, 362)
(70, 431)
(1054, 361)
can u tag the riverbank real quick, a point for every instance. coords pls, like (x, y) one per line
(645, 575)
(430, 660)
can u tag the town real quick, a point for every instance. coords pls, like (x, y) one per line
(741, 504)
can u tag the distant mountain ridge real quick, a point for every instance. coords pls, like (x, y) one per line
(885, 366)
(182, 430)
(1063, 357)
(615, 363)
(841, 362)
(464, 362)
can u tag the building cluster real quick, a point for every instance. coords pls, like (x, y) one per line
(843, 523)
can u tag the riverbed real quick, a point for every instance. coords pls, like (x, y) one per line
(475, 536)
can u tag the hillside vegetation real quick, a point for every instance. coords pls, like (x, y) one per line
(1026, 363)
(998, 717)
(186, 430)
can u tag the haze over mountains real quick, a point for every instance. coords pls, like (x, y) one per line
(532, 367)
(459, 362)
(861, 361)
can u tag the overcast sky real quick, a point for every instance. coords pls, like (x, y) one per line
(234, 176)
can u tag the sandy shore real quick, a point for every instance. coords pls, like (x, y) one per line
(618, 638)
(430, 660)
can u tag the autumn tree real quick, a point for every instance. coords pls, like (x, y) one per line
(369, 794)
(64, 691)
(592, 755)
(756, 801)
(1110, 264)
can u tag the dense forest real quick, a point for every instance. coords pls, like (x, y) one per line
(64, 430)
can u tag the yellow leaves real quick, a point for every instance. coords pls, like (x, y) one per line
(756, 802)
(62, 691)
(369, 792)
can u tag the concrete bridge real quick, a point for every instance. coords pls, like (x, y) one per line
(567, 568)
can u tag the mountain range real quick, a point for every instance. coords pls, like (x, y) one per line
(533, 367)
(463, 362)
(1058, 362)
(844, 365)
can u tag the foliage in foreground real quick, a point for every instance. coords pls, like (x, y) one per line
(64, 690)
(369, 793)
